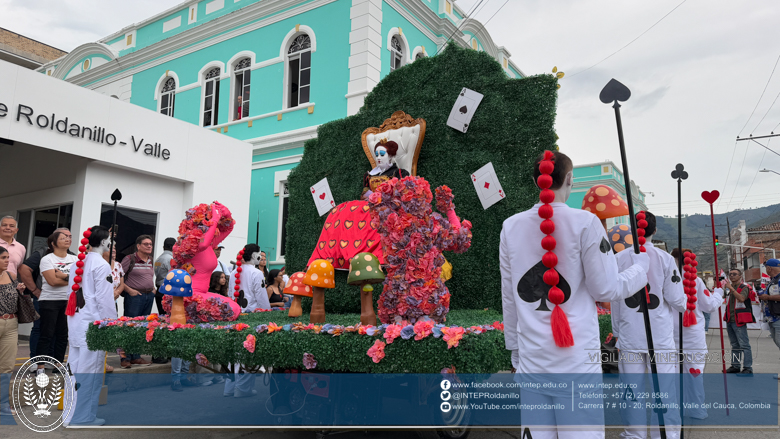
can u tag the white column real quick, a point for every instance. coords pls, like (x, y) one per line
(365, 40)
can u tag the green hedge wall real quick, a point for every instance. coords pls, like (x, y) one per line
(512, 126)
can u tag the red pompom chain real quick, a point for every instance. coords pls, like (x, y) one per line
(641, 225)
(70, 309)
(558, 321)
(239, 263)
(689, 286)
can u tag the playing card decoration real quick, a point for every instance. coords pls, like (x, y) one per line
(487, 185)
(322, 196)
(532, 288)
(710, 197)
(463, 110)
(241, 300)
(675, 277)
(635, 300)
(679, 173)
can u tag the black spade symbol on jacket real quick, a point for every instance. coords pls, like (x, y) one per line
(532, 288)
(604, 246)
(241, 301)
(635, 300)
(675, 277)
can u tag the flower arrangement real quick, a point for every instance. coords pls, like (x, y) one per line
(202, 309)
(413, 238)
(197, 222)
(308, 361)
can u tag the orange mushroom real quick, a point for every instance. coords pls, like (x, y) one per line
(319, 276)
(297, 288)
(604, 202)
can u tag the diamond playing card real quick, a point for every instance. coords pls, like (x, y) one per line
(487, 185)
(322, 196)
(463, 110)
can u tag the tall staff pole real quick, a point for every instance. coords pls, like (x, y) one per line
(613, 92)
(116, 196)
(711, 197)
(680, 174)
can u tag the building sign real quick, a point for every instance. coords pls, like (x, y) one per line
(95, 133)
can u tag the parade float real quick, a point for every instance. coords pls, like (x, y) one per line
(419, 217)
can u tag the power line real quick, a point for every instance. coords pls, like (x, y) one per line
(726, 181)
(736, 185)
(755, 175)
(457, 28)
(630, 42)
(759, 98)
(767, 112)
(494, 14)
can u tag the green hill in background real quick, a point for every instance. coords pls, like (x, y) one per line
(697, 231)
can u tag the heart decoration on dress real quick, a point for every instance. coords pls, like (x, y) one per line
(710, 197)
(695, 372)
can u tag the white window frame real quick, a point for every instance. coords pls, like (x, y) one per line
(289, 57)
(280, 177)
(244, 72)
(214, 96)
(396, 53)
(406, 51)
(169, 109)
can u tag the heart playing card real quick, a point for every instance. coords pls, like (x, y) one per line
(487, 186)
(322, 197)
(463, 110)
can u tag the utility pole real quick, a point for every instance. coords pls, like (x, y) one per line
(728, 225)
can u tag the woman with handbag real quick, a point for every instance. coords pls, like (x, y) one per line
(10, 291)
(738, 314)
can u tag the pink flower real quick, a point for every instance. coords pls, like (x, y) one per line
(308, 361)
(240, 326)
(392, 332)
(377, 351)
(452, 335)
(149, 335)
(249, 343)
(422, 329)
(174, 326)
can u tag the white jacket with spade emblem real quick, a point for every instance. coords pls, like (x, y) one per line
(666, 290)
(694, 337)
(588, 271)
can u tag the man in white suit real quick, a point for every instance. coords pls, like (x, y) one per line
(588, 272)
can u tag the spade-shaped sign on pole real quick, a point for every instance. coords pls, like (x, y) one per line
(614, 93)
(116, 196)
(680, 174)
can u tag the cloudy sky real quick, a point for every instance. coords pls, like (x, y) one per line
(696, 78)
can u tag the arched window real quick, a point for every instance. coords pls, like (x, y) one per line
(167, 97)
(211, 98)
(242, 80)
(299, 67)
(396, 53)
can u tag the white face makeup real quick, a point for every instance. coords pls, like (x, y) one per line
(382, 157)
(104, 246)
(255, 258)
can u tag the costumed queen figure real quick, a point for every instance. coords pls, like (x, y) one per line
(91, 299)
(202, 230)
(348, 230)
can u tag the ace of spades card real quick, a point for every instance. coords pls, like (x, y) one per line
(463, 110)
(487, 185)
(322, 196)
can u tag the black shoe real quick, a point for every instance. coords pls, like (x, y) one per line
(746, 372)
(176, 386)
(157, 360)
(732, 369)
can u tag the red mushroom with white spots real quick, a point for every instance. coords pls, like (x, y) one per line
(604, 202)
(297, 288)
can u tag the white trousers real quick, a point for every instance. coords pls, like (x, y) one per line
(87, 368)
(635, 374)
(693, 383)
(547, 420)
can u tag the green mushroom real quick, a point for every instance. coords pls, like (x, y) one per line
(364, 269)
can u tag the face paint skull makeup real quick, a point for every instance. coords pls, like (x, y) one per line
(255, 258)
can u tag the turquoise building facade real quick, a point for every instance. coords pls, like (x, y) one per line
(606, 173)
(268, 72)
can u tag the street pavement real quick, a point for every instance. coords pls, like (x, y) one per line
(766, 360)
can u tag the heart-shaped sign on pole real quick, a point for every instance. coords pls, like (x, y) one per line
(710, 197)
